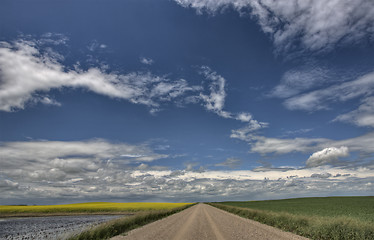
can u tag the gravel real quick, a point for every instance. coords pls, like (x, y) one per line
(56, 227)
(206, 222)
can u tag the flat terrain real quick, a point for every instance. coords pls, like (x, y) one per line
(359, 208)
(206, 222)
(84, 208)
(38, 228)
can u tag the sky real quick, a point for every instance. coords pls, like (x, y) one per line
(185, 100)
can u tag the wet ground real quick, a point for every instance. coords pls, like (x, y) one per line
(56, 227)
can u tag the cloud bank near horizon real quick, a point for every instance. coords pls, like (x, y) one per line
(98, 169)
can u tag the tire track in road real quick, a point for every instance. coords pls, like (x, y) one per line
(181, 234)
(204, 222)
(214, 226)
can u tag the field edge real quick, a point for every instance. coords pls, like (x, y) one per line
(124, 225)
(310, 227)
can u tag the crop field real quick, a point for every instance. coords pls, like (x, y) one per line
(315, 218)
(361, 208)
(95, 207)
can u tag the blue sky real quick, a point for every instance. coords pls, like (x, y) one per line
(185, 100)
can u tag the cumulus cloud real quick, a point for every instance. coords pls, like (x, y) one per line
(28, 74)
(321, 175)
(328, 155)
(100, 170)
(314, 25)
(51, 160)
(363, 144)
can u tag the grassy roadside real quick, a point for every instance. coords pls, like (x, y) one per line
(123, 225)
(313, 227)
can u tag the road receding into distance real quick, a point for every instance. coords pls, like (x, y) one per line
(206, 222)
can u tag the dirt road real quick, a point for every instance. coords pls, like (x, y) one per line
(206, 222)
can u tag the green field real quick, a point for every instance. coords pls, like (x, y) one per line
(361, 208)
(95, 207)
(314, 218)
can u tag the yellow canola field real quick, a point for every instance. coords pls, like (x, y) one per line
(91, 207)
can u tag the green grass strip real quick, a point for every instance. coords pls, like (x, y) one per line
(312, 227)
(123, 225)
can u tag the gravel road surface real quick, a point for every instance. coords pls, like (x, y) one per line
(206, 222)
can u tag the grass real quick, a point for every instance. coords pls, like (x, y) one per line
(361, 208)
(123, 225)
(84, 208)
(315, 218)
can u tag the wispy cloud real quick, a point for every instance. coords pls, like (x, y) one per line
(215, 101)
(28, 74)
(230, 163)
(314, 25)
(95, 45)
(301, 79)
(323, 151)
(363, 116)
(146, 61)
(322, 98)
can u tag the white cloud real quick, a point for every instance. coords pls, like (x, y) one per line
(301, 79)
(363, 116)
(321, 99)
(146, 61)
(247, 133)
(94, 45)
(27, 74)
(315, 25)
(50, 38)
(71, 156)
(215, 101)
(244, 117)
(297, 132)
(264, 145)
(328, 155)
(99, 170)
(230, 162)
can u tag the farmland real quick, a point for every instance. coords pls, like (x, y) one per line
(315, 218)
(84, 208)
(360, 208)
(76, 216)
